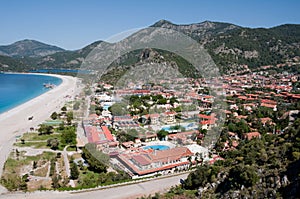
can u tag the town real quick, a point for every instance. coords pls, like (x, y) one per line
(108, 135)
(150, 130)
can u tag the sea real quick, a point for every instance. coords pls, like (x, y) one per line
(16, 89)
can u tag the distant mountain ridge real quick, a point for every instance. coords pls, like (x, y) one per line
(29, 48)
(233, 48)
(198, 30)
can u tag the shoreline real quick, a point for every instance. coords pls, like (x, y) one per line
(14, 122)
(20, 104)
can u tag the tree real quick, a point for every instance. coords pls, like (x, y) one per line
(53, 143)
(118, 109)
(54, 116)
(74, 171)
(45, 129)
(70, 117)
(97, 160)
(55, 181)
(162, 134)
(64, 109)
(190, 161)
(173, 100)
(162, 101)
(243, 175)
(197, 178)
(34, 165)
(87, 91)
(76, 106)
(13, 182)
(68, 135)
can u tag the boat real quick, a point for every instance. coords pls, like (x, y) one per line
(48, 85)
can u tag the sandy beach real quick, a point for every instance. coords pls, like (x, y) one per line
(15, 121)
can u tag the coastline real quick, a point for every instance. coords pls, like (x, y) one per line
(14, 122)
(31, 95)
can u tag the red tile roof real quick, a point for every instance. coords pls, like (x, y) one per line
(268, 105)
(204, 122)
(251, 135)
(207, 117)
(267, 101)
(107, 133)
(141, 160)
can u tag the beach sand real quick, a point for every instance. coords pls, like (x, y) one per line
(15, 121)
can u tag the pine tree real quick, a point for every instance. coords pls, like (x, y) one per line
(74, 171)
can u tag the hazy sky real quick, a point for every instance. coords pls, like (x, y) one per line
(73, 24)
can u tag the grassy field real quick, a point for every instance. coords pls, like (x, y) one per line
(37, 145)
(15, 163)
(33, 136)
(42, 171)
(34, 140)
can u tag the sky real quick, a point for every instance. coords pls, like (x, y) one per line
(73, 24)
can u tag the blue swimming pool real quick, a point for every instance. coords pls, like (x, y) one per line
(157, 147)
(186, 126)
(105, 107)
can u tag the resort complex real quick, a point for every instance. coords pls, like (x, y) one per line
(169, 111)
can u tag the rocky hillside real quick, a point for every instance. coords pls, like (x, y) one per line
(199, 31)
(29, 48)
(238, 48)
(66, 59)
(233, 48)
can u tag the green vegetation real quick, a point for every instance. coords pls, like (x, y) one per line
(54, 116)
(45, 129)
(14, 164)
(129, 135)
(74, 171)
(97, 160)
(95, 173)
(253, 47)
(162, 134)
(53, 143)
(257, 168)
(68, 135)
(118, 109)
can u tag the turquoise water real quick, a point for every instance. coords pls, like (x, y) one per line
(61, 71)
(16, 89)
(157, 147)
(105, 107)
(186, 126)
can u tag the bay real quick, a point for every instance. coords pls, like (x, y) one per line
(16, 89)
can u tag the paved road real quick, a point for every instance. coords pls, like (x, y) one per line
(122, 192)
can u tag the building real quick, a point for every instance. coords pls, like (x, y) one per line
(98, 134)
(154, 118)
(169, 117)
(151, 162)
(184, 137)
(252, 135)
(124, 122)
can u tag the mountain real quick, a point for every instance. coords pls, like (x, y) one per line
(248, 48)
(29, 48)
(66, 59)
(199, 31)
(233, 48)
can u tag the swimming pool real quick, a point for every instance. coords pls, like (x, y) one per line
(105, 107)
(188, 126)
(157, 147)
